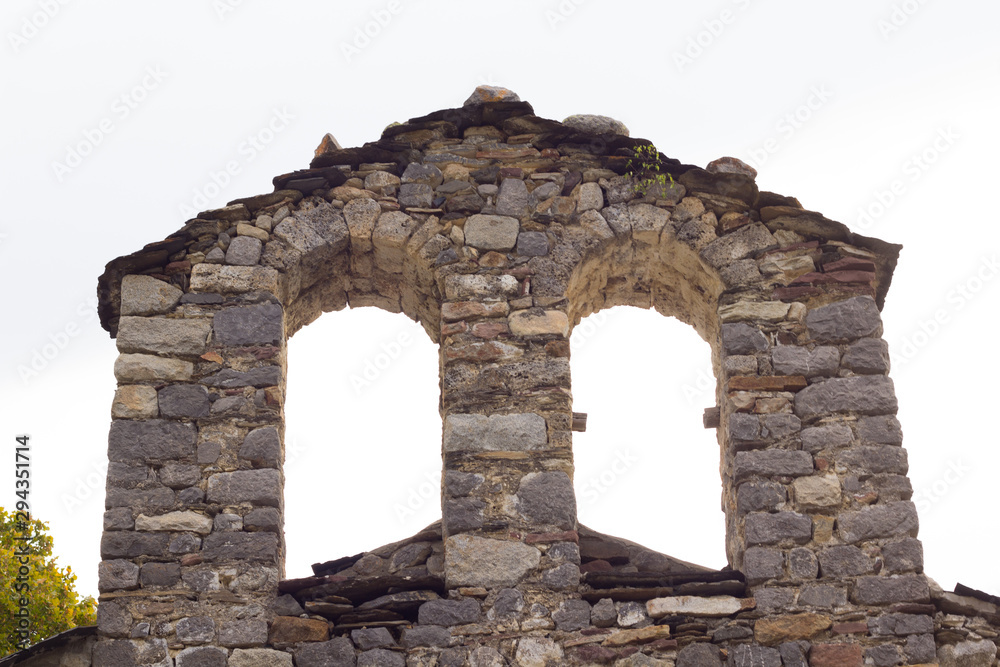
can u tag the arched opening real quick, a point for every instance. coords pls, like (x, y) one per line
(362, 436)
(646, 468)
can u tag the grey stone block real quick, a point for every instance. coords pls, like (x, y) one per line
(779, 426)
(699, 655)
(830, 436)
(885, 655)
(572, 615)
(184, 401)
(286, 605)
(195, 630)
(263, 519)
(771, 600)
(116, 652)
(744, 427)
(822, 596)
(511, 432)
(190, 496)
(844, 561)
(461, 483)
(117, 575)
(512, 199)
(260, 324)
(159, 335)
(257, 487)
(209, 452)
(427, 174)
(119, 518)
(262, 376)
(179, 475)
(244, 251)
(752, 654)
(882, 430)
(740, 244)
(240, 546)
(159, 575)
(777, 527)
(868, 356)
(900, 625)
(152, 440)
(425, 635)
(202, 656)
(603, 614)
(728, 633)
(128, 544)
(547, 498)
(380, 657)
(260, 657)
(184, 544)
(795, 360)
(876, 459)
(906, 555)
(894, 519)
(889, 590)
(761, 564)
(448, 612)
(793, 654)
(509, 602)
(632, 614)
(369, 638)
(492, 232)
(113, 619)
(320, 234)
(416, 195)
(462, 514)
(262, 447)
(802, 564)
(866, 395)
(243, 633)
(126, 476)
(773, 462)
(568, 552)
(759, 496)
(846, 320)
(142, 500)
(532, 244)
(920, 649)
(145, 295)
(743, 339)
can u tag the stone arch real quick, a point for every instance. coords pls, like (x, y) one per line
(498, 230)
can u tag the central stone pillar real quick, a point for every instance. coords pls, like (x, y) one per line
(508, 504)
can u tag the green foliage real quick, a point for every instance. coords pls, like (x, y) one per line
(52, 601)
(645, 167)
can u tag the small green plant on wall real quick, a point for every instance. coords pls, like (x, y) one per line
(644, 166)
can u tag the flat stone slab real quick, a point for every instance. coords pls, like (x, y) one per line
(689, 605)
(479, 561)
(493, 433)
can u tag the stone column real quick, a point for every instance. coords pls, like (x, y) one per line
(508, 499)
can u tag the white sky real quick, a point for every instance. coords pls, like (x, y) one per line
(226, 71)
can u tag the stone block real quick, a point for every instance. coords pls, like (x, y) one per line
(492, 232)
(777, 527)
(361, 216)
(538, 322)
(292, 630)
(152, 440)
(547, 498)
(369, 638)
(479, 561)
(746, 241)
(690, 605)
(159, 335)
(538, 652)
(195, 630)
(319, 234)
(202, 656)
(117, 575)
(773, 462)
(874, 459)
(458, 483)
(794, 360)
(572, 615)
(591, 198)
(866, 395)
(881, 430)
(149, 500)
(262, 447)
(464, 287)
(115, 652)
(744, 427)
(134, 401)
(844, 561)
(240, 546)
(699, 655)
(448, 612)
(836, 655)
(890, 590)
(257, 487)
(905, 555)
(761, 564)
(822, 596)
(187, 521)
(896, 519)
(751, 654)
(743, 338)
(817, 492)
(802, 564)
(427, 174)
(830, 436)
(263, 519)
(425, 635)
(145, 295)
(127, 544)
(777, 426)
(842, 321)
(411, 195)
(243, 633)
(742, 311)
(265, 657)
(244, 251)
(179, 475)
(900, 625)
(262, 376)
(380, 657)
(920, 649)
(260, 324)
(159, 575)
(773, 630)
(462, 514)
(563, 577)
(512, 198)
(759, 496)
(119, 518)
(229, 279)
(389, 238)
(968, 654)
(868, 356)
(150, 368)
(180, 401)
(482, 433)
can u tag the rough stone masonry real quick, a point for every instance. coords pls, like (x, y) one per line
(498, 231)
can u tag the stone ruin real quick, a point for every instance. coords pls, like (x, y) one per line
(498, 231)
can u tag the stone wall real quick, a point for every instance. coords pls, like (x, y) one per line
(498, 231)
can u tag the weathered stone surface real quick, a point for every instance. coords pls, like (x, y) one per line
(389, 238)
(822, 596)
(741, 311)
(338, 652)
(448, 612)
(901, 625)
(771, 462)
(184, 401)
(229, 279)
(802, 564)
(117, 574)
(591, 198)
(512, 199)
(844, 320)
(742, 243)
(883, 430)
(794, 360)
(843, 561)
(261, 657)
(476, 286)
(867, 395)
(689, 605)
(263, 518)
(262, 447)
(904, 555)
(548, 498)
(478, 561)
(426, 174)
(515, 432)
(134, 401)
(492, 232)
(699, 655)
(186, 521)
(148, 367)
(258, 487)
(154, 439)
(244, 251)
(538, 652)
(320, 234)
(594, 124)
(743, 339)
(538, 322)
(759, 495)
(159, 575)
(836, 655)
(249, 325)
(888, 590)
(380, 657)
(532, 244)
(262, 376)
(818, 492)
(145, 295)
(751, 654)
(775, 630)
(290, 629)
(888, 520)
(867, 356)
(777, 527)
(411, 195)
(761, 564)
(829, 436)
(874, 459)
(968, 654)
(425, 635)
(201, 656)
(164, 336)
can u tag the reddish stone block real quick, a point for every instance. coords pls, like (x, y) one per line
(849, 628)
(850, 264)
(454, 328)
(596, 566)
(767, 383)
(557, 348)
(795, 293)
(511, 172)
(836, 655)
(815, 278)
(735, 223)
(489, 330)
(463, 310)
(177, 267)
(550, 153)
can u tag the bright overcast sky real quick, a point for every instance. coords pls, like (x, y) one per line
(121, 117)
